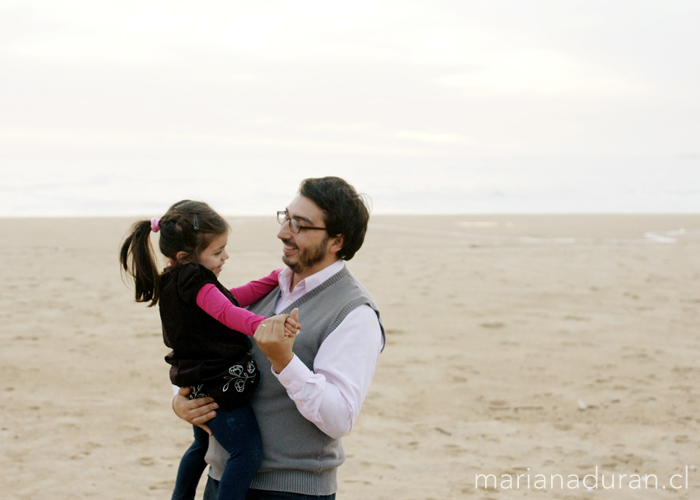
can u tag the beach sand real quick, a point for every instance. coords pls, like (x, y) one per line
(517, 346)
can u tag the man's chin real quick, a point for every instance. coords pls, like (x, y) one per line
(294, 266)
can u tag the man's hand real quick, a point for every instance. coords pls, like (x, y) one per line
(272, 342)
(195, 411)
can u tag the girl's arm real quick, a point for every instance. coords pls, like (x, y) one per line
(256, 290)
(216, 305)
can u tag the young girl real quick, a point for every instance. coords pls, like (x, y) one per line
(204, 327)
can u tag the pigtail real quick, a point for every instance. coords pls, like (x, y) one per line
(136, 258)
(186, 229)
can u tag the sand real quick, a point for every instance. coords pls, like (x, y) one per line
(517, 346)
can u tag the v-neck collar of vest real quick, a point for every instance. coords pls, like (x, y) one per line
(308, 296)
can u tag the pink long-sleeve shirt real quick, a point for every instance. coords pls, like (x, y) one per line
(215, 304)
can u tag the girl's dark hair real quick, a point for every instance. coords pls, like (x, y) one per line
(345, 211)
(188, 226)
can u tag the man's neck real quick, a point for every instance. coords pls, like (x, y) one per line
(298, 277)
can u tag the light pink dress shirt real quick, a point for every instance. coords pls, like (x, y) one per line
(332, 394)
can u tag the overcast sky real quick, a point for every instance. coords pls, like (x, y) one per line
(355, 80)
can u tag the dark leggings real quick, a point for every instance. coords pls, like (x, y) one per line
(191, 466)
(237, 431)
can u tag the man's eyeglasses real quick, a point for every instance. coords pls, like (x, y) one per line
(283, 217)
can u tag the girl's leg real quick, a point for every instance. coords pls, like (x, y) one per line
(237, 431)
(191, 466)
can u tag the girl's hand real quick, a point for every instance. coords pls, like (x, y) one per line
(291, 324)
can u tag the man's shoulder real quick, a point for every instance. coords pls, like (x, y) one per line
(343, 292)
(349, 280)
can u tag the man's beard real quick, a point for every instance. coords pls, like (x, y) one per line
(306, 258)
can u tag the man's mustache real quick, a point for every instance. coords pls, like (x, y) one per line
(290, 244)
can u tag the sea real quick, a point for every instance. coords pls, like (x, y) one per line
(130, 186)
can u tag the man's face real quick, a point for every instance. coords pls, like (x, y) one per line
(305, 252)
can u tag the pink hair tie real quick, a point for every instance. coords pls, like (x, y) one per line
(155, 225)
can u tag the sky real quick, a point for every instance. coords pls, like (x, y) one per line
(428, 106)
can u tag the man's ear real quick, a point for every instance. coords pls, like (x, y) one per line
(181, 256)
(336, 244)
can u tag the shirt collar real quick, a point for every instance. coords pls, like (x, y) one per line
(310, 282)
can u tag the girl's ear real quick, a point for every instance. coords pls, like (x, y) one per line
(181, 256)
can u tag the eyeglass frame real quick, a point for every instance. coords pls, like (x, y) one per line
(294, 223)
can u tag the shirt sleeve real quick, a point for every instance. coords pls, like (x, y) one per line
(332, 394)
(255, 290)
(216, 305)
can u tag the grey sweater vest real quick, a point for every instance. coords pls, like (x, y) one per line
(297, 456)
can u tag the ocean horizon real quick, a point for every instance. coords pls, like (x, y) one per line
(438, 186)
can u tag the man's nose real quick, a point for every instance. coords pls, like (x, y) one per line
(284, 233)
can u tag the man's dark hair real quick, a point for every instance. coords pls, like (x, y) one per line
(344, 211)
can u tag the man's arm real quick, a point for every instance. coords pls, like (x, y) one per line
(332, 394)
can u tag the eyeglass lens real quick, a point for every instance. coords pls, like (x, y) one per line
(283, 218)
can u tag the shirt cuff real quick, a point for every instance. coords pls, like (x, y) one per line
(294, 375)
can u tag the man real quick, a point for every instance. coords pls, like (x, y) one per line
(309, 396)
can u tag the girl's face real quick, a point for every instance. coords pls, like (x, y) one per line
(214, 256)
